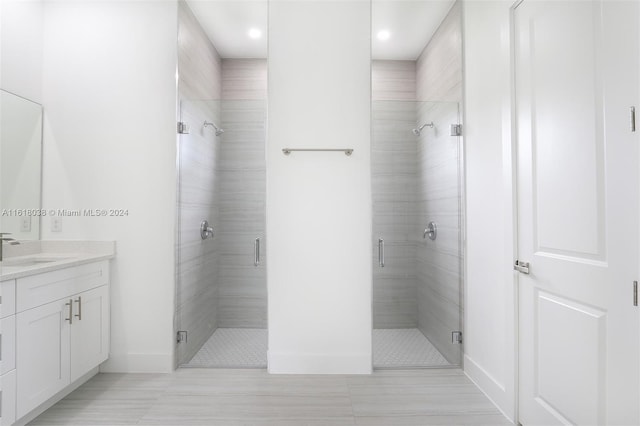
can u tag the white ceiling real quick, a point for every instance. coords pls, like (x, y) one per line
(227, 23)
(411, 24)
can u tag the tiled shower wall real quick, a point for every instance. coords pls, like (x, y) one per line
(200, 84)
(394, 186)
(242, 300)
(416, 180)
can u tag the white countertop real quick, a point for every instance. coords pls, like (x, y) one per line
(37, 257)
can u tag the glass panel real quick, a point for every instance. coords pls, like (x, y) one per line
(196, 296)
(20, 166)
(416, 180)
(222, 290)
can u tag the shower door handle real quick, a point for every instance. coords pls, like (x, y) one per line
(381, 252)
(256, 252)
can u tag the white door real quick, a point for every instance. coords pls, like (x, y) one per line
(90, 331)
(42, 354)
(576, 78)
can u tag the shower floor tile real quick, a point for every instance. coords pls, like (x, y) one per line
(233, 348)
(404, 347)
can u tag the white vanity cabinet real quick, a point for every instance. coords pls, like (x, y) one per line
(62, 326)
(8, 353)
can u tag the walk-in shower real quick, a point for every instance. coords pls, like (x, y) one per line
(221, 290)
(417, 185)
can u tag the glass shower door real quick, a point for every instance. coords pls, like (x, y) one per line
(417, 215)
(196, 252)
(221, 297)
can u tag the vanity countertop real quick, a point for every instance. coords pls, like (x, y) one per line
(37, 257)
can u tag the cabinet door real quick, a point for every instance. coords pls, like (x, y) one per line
(8, 398)
(90, 331)
(7, 344)
(42, 354)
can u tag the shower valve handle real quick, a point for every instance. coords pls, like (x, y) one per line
(205, 230)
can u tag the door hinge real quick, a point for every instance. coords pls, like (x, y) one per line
(521, 266)
(183, 128)
(456, 337)
(632, 118)
(635, 293)
(456, 130)
(182, 336)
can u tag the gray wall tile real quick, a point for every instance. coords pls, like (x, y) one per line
(439, 67)
(242, 299)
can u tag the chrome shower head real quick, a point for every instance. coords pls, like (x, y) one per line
(418, 131)
(218, 130)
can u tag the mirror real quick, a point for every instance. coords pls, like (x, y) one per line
(20, 166)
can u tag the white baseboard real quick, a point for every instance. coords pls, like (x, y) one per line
(493, 389)
(138, 363)
(287, 363)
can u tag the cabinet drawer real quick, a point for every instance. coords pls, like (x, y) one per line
(40, 289)
(8, 292)
(7, 344)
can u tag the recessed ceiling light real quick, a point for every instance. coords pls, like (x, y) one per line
(384, 35)
(255, 33)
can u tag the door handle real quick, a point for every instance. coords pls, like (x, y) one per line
(256, 252)
(381, 252)
(521, 266)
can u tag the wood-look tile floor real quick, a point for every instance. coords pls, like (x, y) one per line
(254, 397)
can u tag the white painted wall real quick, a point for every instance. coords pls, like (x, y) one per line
(319, 204)
(109, 91)
(21, 48)
(490, 299)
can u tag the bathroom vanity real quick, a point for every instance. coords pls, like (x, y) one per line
(54, 322)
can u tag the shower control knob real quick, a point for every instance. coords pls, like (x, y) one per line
(205, 230)
(431, 231)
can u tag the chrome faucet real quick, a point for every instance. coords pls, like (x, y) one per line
(11, 241)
